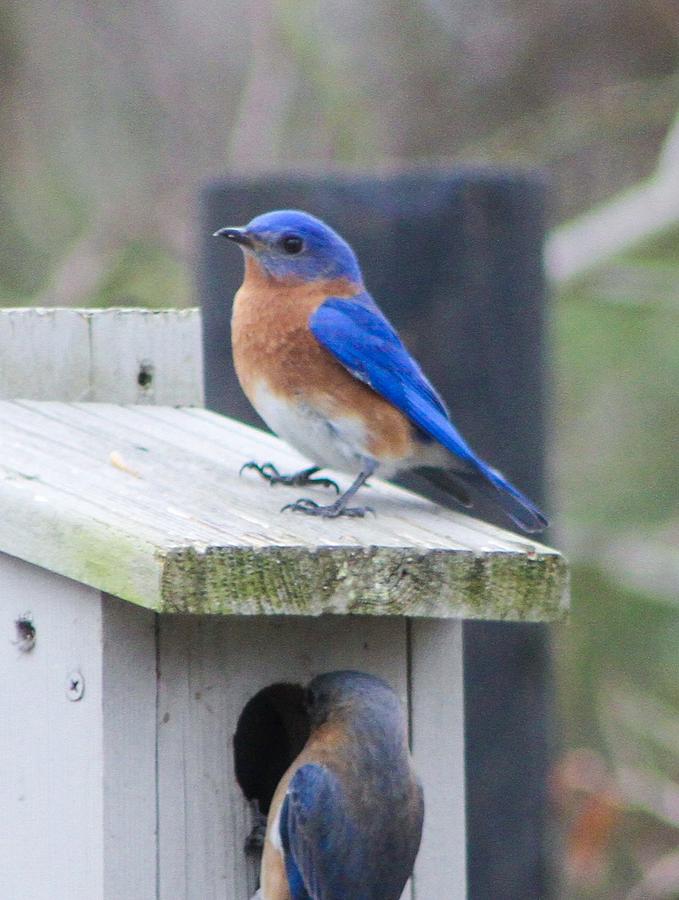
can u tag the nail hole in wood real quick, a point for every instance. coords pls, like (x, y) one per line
(26, 633)
(145, 375)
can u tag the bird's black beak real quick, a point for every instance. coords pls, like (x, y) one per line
(237, 235)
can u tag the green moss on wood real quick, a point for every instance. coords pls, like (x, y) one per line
(113, 564)
(93, 554)
(365, 581)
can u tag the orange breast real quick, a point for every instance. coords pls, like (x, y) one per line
(272, 343)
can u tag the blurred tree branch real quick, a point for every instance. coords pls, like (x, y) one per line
(255, 141)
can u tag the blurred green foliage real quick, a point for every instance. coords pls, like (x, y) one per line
(618, 415)
(144, 274)
(617, 462)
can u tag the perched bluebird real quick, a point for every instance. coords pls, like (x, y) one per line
(329, 374)
(346, 818)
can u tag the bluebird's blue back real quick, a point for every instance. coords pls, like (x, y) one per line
(350, 820)
(329, 373)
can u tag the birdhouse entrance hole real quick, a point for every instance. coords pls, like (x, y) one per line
(272, 729)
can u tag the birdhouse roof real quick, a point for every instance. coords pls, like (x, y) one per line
(146, 503)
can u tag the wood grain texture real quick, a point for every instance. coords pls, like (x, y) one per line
(51, 748)
(78, 783)
(129, 695)
(99, 354)
(146, 503)
(437, 738)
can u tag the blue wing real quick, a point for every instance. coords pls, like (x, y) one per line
(362, 339)
(324, 860)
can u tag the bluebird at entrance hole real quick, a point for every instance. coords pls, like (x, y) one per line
(346, 819)
(329, 374)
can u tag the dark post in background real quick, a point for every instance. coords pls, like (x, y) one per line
(454, 259)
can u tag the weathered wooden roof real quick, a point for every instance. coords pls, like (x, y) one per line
(145, 502)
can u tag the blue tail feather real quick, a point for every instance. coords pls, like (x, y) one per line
(516, 505)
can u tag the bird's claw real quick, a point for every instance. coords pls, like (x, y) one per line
(333, 511)
(254, 842)
(266, 470)
(270, 473)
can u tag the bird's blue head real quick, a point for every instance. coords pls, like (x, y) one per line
(363, 699)
(292, 245)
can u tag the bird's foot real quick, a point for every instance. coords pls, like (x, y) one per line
(270, 473)
(333, 511)
(254, 842)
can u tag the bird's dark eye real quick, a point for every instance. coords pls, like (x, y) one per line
(292, 243)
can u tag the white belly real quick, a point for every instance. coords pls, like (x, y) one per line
(338, 443)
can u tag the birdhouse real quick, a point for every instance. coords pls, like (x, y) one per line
(160, 612)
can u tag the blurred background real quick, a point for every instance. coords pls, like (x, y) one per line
(111, 116)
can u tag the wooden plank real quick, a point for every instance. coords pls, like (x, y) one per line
(50, 747)
(437, 735)
(79, 777)
(44, 354)
(116, 355)
(98, 427)
(129, 697)
(159, 348)
(146, 504)
(209, 669)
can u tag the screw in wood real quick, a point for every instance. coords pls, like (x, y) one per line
(75, 686)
